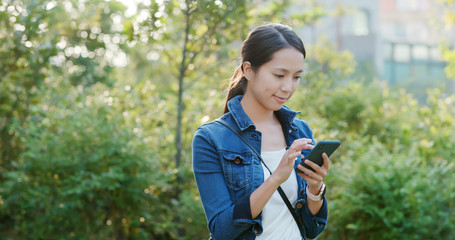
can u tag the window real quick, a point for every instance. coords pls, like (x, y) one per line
(402, 53)
(420, 52)
(358, 23)
(388, 51)
(361, 23)
(435, 54)
(407, 5)
(412, 5)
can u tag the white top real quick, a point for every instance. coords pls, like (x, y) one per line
(277, 221)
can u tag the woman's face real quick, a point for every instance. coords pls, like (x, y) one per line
(272, 84)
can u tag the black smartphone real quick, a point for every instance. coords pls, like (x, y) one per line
(324, 146)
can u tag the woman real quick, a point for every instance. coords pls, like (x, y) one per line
(238, 193)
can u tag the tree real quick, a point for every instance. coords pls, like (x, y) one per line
(44, 46)
(193, 29)
(40, 38)
(25, 52)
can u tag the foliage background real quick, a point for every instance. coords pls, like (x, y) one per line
(90, 97)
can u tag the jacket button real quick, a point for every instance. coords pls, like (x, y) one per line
(290, 130)
(237, 161)
(301, 192)
(299, 205)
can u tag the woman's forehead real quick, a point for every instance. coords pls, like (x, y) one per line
(286, 60)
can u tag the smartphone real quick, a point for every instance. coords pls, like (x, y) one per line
(324, 146)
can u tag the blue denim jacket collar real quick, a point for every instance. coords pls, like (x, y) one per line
(285, 114)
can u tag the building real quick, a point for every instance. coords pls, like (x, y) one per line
(398, 39)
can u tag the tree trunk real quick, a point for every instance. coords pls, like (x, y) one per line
(178, 140)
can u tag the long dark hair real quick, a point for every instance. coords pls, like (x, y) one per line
(258, 48)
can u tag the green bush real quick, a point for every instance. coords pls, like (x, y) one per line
(382, 194)
(84, 175)
(392, 178)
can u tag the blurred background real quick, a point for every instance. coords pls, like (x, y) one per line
(99, 101)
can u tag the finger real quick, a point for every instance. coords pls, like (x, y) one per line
(301, 146)
(304, 172)
(317, 169)
(293, 156)
(301, 141)
(312, 164)
(289, 158)
(309, 173)
(304, 176)
(310, 178)
(307, 140)
(308, 146)
(326, 164)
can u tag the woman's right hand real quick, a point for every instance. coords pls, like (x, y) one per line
(284, 169)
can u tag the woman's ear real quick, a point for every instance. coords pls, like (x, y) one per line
(248, 70)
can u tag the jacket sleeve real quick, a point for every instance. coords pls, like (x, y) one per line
(226, 220)
(313, 224)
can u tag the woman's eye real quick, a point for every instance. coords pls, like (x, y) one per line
(298, 77)
(279, 75)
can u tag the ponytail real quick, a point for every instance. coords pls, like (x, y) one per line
(237, 86)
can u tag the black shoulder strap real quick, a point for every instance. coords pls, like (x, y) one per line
(280, 190)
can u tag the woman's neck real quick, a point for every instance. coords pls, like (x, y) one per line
(256, 112)
(267, 123)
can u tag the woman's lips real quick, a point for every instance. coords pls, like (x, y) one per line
(280, 99)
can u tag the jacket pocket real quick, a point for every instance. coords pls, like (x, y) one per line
(237, 169)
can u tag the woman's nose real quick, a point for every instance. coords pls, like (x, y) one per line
(286, 85)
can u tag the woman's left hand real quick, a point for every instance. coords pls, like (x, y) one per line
(315, 178)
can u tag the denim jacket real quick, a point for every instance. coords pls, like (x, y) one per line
(227, 171)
